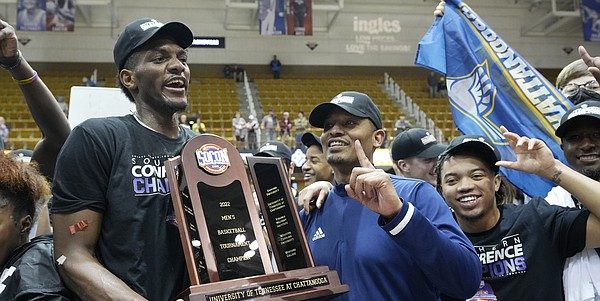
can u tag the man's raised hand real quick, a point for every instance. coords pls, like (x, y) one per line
(373, 187)
(593, 63)
(8, 44)
(533, 156)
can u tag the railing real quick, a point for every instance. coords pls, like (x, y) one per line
(411, 107)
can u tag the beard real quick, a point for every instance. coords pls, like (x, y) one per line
(336, 159)
(592, 173)
(165, 104)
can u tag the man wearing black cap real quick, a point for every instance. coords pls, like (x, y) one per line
(276, 149)
(316, 167)
(414, 153)
(579, 131)
(114, 227)
(389, 238)
(522, 247)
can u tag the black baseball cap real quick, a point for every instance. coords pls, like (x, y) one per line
(477, 146)
(355, 103)
(416, 142)
(586, 109)
(142, 30)
(310, 139)
(275, 149)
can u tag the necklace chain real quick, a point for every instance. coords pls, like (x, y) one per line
(139, 120)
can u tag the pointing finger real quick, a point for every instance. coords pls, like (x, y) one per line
(362, 158)
(585, 56)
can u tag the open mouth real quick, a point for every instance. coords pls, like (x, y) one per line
(468, 201)
(176, 85)
(589, 158)
(336, 144)
(308, 176)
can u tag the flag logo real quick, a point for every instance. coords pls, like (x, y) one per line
(491, 85)
(474, 95)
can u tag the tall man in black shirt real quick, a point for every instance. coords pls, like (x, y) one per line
(110, 176)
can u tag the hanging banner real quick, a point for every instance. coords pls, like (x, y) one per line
(590, 16)
(46, 15)
(299, 17)
(60, 15)
(490, 84)
(271, 17)
(285, 17)
(31, 15)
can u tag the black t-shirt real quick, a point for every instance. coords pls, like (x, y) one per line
(523, 255)
(30, 274)
(115, 166)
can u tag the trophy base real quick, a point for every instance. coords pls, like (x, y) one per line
(315, 283)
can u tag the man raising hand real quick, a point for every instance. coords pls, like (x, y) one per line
(389, 238)
(373, 187)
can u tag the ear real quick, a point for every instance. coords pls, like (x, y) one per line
(25, 223)
(403, 166)
(128, 79)
(497, 181)
(378, 138)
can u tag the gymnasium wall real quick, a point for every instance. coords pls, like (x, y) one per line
(344, 43)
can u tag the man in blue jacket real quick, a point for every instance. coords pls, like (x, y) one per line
(389, 238)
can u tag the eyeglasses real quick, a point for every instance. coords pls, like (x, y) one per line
(572, 88)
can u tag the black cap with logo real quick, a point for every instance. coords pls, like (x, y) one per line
(142, 30)
(275, 149)
(416, 142)
(477, 146)
(310, 139)
(355, 103)
(586, 109)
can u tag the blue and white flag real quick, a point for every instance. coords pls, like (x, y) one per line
(590, 16)
(490, 84)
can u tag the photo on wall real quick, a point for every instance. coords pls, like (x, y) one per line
(590, 17)
(46, 15)
(299, 17)
(271, 17)
(31, 15)
(60, 15)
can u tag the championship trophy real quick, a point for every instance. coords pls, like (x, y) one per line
(226, 253)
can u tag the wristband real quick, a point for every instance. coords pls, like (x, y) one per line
(16, 64)
(29, 80)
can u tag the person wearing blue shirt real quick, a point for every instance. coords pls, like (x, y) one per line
(389, 238)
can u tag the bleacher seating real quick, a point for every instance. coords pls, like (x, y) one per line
(214, 99)
(303, 94)
(438, 108)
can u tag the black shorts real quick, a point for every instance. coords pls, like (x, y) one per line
(240, 138)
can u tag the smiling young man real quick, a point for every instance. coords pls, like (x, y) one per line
(110, 177)
(522, 248)
(389, 238)
(316, 167)
(579, 131)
